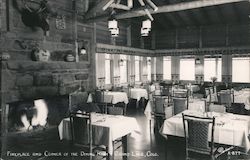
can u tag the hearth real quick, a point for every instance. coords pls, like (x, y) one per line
(38, 114)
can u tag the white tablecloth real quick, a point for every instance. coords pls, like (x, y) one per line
(149, 108)
(195, 104)
(116, 126)
(138, 93)
(214, 97)
(243, 96)
(234, 131)
(117, 97)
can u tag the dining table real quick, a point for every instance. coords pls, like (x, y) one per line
(106, 129)
(230, 129)
(194, 104)
(138, 93)
(116, 97)
(243, 96)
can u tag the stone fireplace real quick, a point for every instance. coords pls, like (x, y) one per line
(34, 99)
(39, 114)
(37, 92)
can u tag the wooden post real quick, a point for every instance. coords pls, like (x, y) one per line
(75, 30)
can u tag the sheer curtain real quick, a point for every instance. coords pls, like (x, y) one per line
(107, 69)
(137, 68)
(167, 68)
(123, 69)
(149, 68)
(241, 69)
(187, 69)
(212, 68)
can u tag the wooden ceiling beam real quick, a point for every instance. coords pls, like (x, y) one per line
(174, 7)
(102, 3)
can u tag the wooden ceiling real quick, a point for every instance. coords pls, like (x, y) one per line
(231, 13)
(179, 13)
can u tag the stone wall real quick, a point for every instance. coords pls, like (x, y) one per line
(32, 80)
(24, 79)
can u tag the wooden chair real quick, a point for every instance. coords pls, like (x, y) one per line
(107, 101)
(216, 108)
(76, 100)
(159, 111)
(166, 91)
(82, 134)
(196, 130)
(181, 94)
(103, 100)
(225, 98)
(180, 104)
(117, 110)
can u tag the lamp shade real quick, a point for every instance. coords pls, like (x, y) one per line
(197, 61)
(112, 24)
(83, 50)
(144, 32)
(121, 62)
(146, 24)
(114, 32)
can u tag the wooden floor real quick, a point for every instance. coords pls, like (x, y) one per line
(144, 146)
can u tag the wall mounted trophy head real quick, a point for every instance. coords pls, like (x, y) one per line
(34, 13)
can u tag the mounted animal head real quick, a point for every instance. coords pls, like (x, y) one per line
(36, 16)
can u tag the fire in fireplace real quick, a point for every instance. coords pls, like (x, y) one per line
(35, 116)
(28, 115)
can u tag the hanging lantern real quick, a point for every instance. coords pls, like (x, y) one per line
(83, 50)
(144, 32)
(112, 24)
(121, 61)
(114, 32)
(148, 61)
(146, 24)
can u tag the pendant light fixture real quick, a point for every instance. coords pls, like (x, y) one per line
(113, 25)
(146, 27)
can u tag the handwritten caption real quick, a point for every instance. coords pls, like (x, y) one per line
(79, 154)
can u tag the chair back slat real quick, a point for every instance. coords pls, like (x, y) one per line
(99, 96)
(116, 110)
(224, 97)
(207, 92)
(211, 90)
(107, 99)
(179, 105)
(81, 129)
(160, 103)
(196, 131)
(77, 98)
(217, 108)
(198, 134)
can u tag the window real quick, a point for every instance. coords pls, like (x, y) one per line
(187, 69)
(212, 68)
(167, 68)
(149, 68)
(137, 68)
(123, 69)
(241, 69)
(107, 69)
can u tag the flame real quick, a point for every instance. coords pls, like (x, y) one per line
(40, 118)
(42, 113)
(25, 121)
